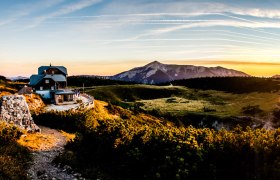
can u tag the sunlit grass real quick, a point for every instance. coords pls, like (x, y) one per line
(178, 104)
(69, 136)
(229, 104)
(38, 141)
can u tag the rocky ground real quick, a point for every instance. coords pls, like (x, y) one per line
(42, 166)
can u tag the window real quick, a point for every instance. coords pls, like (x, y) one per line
(52, 88)
(41, 87)
(47, 81)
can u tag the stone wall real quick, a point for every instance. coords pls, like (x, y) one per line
(14, 110)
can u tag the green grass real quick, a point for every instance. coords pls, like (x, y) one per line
(132, 93)
(179, 101)
(177, 106)
(222, 104)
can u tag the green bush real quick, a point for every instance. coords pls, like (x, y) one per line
(8, 133)
(65, 120)
(252, 110)
(207, 109)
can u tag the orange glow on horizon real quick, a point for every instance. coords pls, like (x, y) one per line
(261, 69)
(106, 68)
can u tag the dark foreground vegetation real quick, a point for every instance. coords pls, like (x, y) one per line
(120, 95)
(8, 86)
(93, 81)
(232, 84)
(115, 143)
(13, 157)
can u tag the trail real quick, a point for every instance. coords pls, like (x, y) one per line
(51, 144)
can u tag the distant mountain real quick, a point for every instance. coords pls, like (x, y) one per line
(18, 78)
(276, 76)
(156, 72)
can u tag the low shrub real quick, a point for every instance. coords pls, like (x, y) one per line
(14, 158)
(252, 110)
(138, 146)
(207, 109)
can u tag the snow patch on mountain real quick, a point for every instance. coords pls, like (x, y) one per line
(156, 72)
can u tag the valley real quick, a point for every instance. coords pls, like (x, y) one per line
(190, 106)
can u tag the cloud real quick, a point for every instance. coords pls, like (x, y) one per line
(243, 23)
(212, 23)
(256, 12)
(67, 9)
(23, 10)
(189, 39)
(7, 21)
(254, 8)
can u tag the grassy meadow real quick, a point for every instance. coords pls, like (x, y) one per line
(214, 102)
(183, 103)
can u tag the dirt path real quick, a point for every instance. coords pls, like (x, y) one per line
(46, 146)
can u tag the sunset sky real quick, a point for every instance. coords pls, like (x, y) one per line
(105, 37)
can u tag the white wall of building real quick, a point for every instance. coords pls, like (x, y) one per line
(44, 93)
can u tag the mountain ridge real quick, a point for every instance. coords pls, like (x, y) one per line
(156, 72)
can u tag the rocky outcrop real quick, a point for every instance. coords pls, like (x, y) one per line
(14, 110)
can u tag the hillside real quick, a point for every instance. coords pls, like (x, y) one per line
(88, 81)
(200, 108)
(156, 72)
(14, 158)
(6, 87)
(277, 76)
(115, 143)
(169, 132)
(232, 84)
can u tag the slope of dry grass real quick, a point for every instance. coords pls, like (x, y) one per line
(13, 156)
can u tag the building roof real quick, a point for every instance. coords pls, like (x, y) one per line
(34, 79)
(41, 69)
(64, 91)
(56, 77)
(25, 90)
